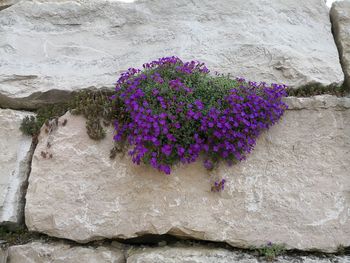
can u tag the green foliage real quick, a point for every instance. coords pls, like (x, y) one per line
(175, 111)
(341, 250)
(99, 111)
(31, 125)
(271, 251)
(15, 237)
(95, 106)
(313, 90)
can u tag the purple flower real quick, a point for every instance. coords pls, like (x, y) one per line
(166, 149)
(162, 108)
(165, 168)
(208, 164)
(180, 151)
(190, 113)
(171, 137)
(199, 104)
(154, 162)
(163, 115)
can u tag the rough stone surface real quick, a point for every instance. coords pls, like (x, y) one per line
(294, 188)
(61, 253)
(319, 102)
(215, 255)
(7, 3)
(3, 254)
(36, 100)
(70, 45)
(188, 255)
(15, 158)
(340, 15)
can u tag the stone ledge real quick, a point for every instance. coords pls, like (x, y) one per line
(70, 45)
(340, 17)
(292, 189)
(177, 254)
(60, 252)
(15, 157)
(317, 102)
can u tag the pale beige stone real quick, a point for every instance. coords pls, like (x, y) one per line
(188, 255)
(59, 252)
(198, 254)
(7, 3)
(294, 188)
(62, 253)
(15, 158)
(3, 254)
(340, 15)
(70, 45)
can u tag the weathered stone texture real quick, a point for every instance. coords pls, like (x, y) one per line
(215, 255)
(7, 3)
(340, 15)
(3, 254)
(188, 255)
(15, 157)
(70, 45)
(294, 188)
(61, 253)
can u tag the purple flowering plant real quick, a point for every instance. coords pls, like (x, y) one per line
(173, 111)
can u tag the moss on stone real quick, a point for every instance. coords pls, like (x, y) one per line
(98, 109)
(94, 105)
(313, 90)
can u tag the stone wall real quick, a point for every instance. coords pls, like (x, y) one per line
(59, 252)
(69, 45)
(340, 15)
(15, 160)
(293, 189)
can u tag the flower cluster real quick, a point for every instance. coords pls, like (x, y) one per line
(174, 111)
(218, 186)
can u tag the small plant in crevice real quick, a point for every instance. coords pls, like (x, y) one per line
(218, 185)
(314, 89)
(94, 105)
(341, 249)
(16, 236)
(271, 251)
(31, 125)
(49, 127)
(174, 111)
(97, 108)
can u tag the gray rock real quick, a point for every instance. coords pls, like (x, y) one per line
(7, 3)
(293, 188)
(36, 100)
(199, 254)
(314, 259)
(61, 253)
(340, 16)
(188, 255)
(319, 101)
(3, 254)
(69, 45)
(15, 158)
